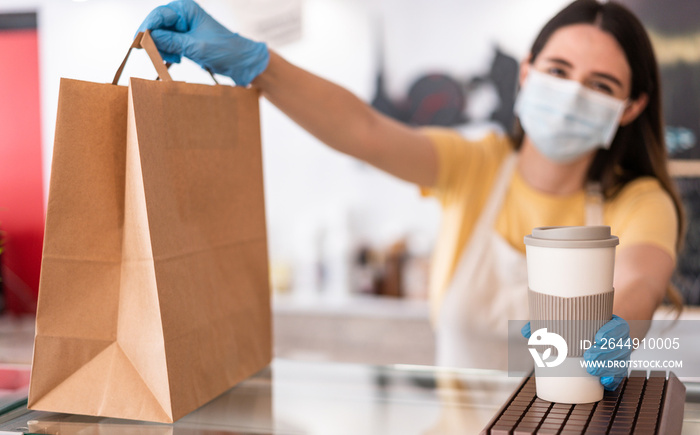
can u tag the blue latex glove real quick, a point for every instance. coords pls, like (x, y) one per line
(617, 329)
(183, 28)
(525, 330)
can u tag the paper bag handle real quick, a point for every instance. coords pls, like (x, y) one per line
(144, 40)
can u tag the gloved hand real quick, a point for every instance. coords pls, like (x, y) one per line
(183, 28)
(614, 336)
(526, 331)
(614, 331)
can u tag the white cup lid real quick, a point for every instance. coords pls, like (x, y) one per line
(572, 237)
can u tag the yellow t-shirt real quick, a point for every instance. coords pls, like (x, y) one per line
(642, 213)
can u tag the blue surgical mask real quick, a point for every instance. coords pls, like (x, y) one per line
(564, 119)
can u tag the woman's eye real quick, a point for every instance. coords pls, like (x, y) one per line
(601, 87)
(556, 71)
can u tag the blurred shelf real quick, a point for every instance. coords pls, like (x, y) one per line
(684, 168)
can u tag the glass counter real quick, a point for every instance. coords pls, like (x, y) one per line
(294, 397)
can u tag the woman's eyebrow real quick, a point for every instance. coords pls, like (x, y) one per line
(560, 61)
(603, 75)
(608, 77)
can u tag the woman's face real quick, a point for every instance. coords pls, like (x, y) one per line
(592, 57)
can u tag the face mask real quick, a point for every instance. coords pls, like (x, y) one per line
(564, 119)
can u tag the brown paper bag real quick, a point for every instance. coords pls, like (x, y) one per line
(154, 294)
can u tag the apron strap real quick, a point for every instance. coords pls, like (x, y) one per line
(594, 204)
(484, 225)
(489, 213)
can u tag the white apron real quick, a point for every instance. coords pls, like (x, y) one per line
(489, 287)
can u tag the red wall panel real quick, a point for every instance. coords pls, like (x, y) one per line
(21, 186)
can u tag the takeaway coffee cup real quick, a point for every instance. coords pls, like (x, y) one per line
(570, 278)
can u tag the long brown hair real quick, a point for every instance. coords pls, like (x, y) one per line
(639, 148)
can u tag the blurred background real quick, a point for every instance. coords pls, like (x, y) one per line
(339, 230)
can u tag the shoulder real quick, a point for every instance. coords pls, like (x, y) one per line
(464, 161)
(451, 140)
(641, 191)
(460, 155)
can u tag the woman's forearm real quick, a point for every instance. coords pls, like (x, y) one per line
(344, 122)
(642, 275)
(637, 303)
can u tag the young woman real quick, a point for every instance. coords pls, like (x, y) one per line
(591, 152)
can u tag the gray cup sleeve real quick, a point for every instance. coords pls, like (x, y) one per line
(575, 318)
